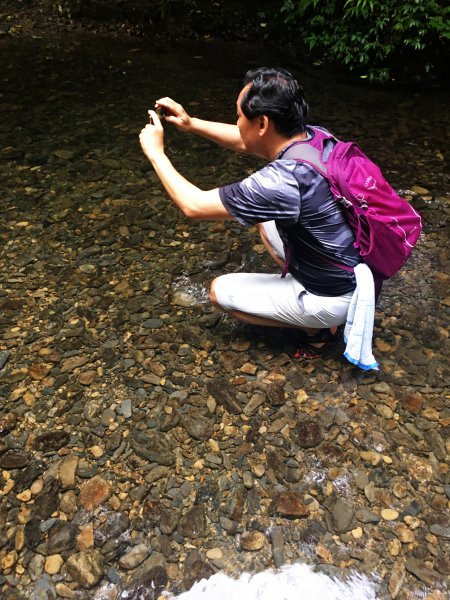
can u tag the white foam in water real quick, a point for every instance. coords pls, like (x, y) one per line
(196, 291)
(292, 582)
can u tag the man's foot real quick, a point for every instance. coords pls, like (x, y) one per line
(316, 345)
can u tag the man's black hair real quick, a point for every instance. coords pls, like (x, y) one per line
(274, 92)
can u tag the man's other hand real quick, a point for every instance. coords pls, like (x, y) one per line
(175, 113)
(152, 137)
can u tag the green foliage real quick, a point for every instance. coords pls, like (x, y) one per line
(372, 36)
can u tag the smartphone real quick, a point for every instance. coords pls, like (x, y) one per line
(161, 112)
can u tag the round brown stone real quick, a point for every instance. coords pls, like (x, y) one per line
(39, 371)
(289, 504)
(413, 402)
(94, 492)
(309, 433)
(253, 540)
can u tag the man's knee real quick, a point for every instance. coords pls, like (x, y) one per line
(212, 293)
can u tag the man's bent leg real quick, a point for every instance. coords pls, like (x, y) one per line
(274, 246)
(253, 319)
(271, 300)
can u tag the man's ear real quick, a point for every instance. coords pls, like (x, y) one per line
(263, 124)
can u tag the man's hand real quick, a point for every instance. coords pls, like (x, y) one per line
(224, 134)
(175, 113)
(152, 137)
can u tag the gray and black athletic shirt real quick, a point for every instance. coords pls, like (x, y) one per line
(310, 222)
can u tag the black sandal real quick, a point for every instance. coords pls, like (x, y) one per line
(307, 350)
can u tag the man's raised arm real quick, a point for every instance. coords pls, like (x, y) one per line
(224, 134)
(194, 202)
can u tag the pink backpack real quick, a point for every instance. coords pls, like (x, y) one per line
(386, 227)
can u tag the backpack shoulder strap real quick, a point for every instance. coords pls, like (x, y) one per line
(304, 152)
(311, 151)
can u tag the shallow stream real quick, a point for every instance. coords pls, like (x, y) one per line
(146, 440)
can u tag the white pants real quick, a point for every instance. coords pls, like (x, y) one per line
(280, 299)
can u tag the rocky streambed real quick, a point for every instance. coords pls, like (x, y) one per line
(146, 440)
